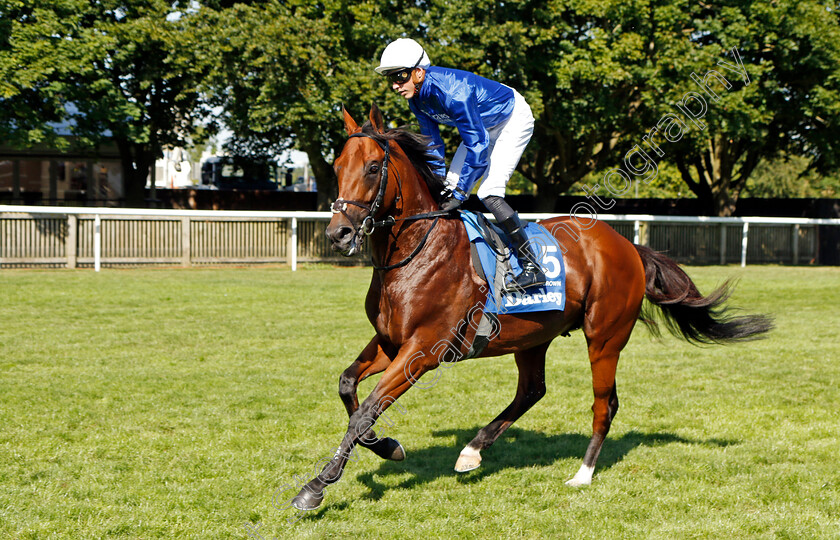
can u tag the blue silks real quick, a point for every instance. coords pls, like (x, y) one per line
(469, 102)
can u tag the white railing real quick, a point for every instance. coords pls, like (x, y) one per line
(723, 222)
(68, 236)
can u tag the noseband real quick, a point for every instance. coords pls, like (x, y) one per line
(369, 223)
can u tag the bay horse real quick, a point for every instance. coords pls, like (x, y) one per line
(424, 286)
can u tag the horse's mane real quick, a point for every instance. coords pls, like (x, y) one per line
(416, 148)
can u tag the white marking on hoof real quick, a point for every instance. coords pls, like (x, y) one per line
(469, 459)
(582, 478)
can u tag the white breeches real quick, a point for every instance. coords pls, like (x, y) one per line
(507, 142)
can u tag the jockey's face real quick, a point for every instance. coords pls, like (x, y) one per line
(407, 87)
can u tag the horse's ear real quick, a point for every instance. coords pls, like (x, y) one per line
(376, 119)
(349, 124)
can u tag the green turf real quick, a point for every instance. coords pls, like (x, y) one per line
(169, 403)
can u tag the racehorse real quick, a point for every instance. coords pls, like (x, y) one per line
(424, 286)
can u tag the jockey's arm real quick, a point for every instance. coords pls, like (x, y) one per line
(429, 128)
(476, 142)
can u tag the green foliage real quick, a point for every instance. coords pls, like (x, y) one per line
(33, 62)
(285, 69)
(790, 177)
(788, 103)
(579, 65)
(519, 185)
(668, 184)
(123, 71)
(599, 75)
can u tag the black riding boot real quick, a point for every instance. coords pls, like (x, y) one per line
(532, 274)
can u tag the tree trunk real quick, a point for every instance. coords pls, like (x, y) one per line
(324, 174)
(724, 203)
(134, 187)
(557, 166)
(547, 194)
(137, 160)
(718, 174)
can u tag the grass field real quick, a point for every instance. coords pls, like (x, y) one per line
(170, 403)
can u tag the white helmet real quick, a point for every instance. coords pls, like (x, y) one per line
(403, 53)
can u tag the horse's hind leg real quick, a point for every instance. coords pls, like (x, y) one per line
(372, 360)
(604, 350)
(529, 390)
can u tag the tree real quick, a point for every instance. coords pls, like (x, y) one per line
(129, 68)
(285, 70)
(289, 66)
(30, 92)
(790, 176)
(754, 80)
(602, 75)
(581, 67)
(607, 80)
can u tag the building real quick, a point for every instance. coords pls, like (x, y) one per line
(74, 176)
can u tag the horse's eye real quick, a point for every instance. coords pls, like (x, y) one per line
(373, 168)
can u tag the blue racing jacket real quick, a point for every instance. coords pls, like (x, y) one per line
(468, 102)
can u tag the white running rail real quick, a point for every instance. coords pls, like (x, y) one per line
(184, 233)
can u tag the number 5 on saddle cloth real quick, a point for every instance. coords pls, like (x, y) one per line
(492, 257)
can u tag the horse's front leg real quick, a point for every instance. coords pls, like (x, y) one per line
(375, 358)
(408, 366)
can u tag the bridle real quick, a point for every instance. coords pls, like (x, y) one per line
(369, 223)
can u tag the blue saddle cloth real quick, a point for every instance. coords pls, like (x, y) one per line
(552, 296)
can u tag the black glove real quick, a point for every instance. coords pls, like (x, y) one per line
(450, 204)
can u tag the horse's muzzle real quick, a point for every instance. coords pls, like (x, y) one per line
(343, 239)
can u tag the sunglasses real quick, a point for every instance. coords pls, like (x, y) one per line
(400, 77)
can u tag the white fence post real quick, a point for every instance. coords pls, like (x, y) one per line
(744, 244)
(637, 229)
(796, 244)
(97, 243)
(70, 242)
(185, 242)
(293, 247)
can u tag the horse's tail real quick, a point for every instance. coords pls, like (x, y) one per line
(687, 313)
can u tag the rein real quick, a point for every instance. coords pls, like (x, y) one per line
(369, 223)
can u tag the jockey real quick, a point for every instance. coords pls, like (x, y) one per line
(495, 124)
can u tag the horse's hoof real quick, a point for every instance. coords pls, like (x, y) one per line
(306, 500)
(396, 452)
(574, 482)
(388, 448)
(582, 478)
(469, 460)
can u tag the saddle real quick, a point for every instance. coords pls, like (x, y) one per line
(492, 259)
